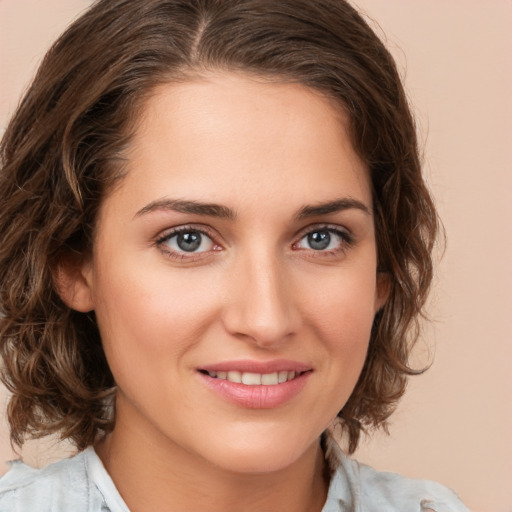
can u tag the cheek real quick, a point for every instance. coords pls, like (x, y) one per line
(150, 315)
(342, 305)
(342, 315)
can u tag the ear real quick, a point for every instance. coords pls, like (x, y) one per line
(382, 290)
(73, 282)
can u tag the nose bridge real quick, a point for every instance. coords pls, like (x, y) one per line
(261, 306)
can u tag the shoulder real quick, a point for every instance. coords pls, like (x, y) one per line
(383, 491)
(59, 487)
(367, 490)
(392, 490)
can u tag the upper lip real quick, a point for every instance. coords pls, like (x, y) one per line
(263, 367)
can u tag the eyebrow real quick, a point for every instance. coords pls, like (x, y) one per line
(183, 206)
(217, 210)
(331, 207)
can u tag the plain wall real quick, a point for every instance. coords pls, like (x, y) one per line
(455, 423)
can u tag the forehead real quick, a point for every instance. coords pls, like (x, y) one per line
(228, 137)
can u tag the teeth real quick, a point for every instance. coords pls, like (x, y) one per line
(234, 376)
(283, 377)
(270, 379)
(251, 379)
(254, 379)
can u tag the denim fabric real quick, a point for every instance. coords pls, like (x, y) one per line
(81, 484)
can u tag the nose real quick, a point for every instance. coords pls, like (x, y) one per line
(261, 306)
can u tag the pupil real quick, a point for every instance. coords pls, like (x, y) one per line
(319, 240)
(189, 241)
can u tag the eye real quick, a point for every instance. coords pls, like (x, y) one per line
(187, 241)
(323, 239)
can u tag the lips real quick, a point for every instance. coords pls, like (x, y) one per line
(256, 385)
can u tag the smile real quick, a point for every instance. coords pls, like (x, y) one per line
(256, 385)
(255, 379)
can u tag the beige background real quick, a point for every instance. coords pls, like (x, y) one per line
(455, 424)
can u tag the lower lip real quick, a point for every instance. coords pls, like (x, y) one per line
(257, 397)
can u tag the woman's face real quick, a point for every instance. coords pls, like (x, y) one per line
(234, 272)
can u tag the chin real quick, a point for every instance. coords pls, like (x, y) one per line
(249, 463)
(267, 455)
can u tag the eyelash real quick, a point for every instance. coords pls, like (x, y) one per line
(346, 241)
(184, 255)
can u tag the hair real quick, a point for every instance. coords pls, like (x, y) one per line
(62, 153)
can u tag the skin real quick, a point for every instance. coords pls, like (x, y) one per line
(255, 290)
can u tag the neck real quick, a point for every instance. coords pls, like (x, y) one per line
(152, 473)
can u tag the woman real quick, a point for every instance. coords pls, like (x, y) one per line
(215, 245)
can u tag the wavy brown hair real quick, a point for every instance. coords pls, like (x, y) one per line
(62, 152)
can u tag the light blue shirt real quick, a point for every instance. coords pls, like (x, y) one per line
(81, 484)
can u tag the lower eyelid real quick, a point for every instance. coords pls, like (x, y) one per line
(162, 242)
(205, 240)
(346, 239)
